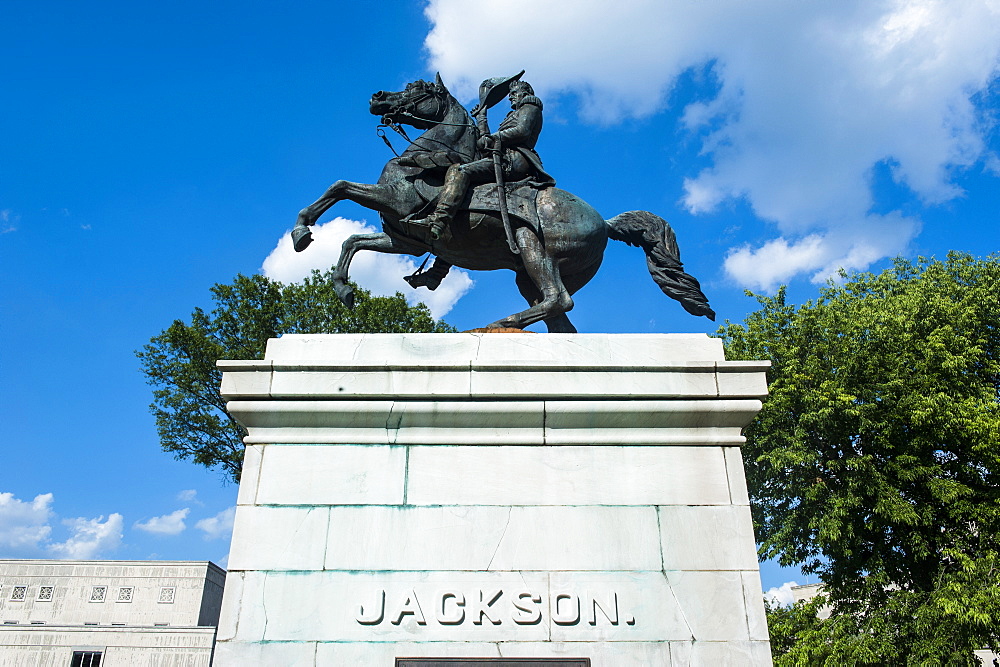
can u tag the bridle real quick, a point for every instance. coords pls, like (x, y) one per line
(408, 108)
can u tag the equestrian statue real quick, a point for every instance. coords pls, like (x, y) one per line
(482, 201)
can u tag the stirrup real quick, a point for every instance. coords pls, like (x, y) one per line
(437, 229)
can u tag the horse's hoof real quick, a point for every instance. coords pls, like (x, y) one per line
(301, 238)
(346, 296)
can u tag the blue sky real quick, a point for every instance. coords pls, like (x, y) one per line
(148, 151)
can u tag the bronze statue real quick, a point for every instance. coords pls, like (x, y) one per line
(483, 201)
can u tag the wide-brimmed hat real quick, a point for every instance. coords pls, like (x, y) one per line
(495, 89)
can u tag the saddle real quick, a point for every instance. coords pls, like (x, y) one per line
(482, 201)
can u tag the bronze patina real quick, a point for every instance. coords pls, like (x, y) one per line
(482, 201)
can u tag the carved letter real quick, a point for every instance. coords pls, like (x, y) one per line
(527, 613)
(375, 613)
(458, 615)
(481, 607)
(409, 605)
(609, 608)
(566, 614)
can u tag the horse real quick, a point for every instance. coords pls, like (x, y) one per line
(554, 259)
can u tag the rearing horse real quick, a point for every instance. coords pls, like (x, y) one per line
(555, 260)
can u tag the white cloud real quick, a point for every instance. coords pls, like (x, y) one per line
(853, 246)
(380, 273)
(220, 525)
(89, 537)
(188, 496)
(781, 595)
(24, 526)
(8, 221)
(809, 99)
(26, 530)
(168, 524)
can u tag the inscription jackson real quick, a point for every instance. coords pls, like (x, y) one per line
(490, 606)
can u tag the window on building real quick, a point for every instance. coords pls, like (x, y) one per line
(98, 593)
(18, 593)
(86, 659)
(166, 595)
(125, 594)
(45, 593)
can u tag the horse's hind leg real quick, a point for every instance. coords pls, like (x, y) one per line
(550, 301)
(560, 324)
(556, 324)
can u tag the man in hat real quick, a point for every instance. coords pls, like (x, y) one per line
(516, 135)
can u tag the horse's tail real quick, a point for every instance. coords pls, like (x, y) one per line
(654, 235)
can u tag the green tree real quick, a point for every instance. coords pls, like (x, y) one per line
(874, 461)
(788, 626)
(179, 363)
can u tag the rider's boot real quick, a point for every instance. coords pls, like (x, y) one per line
(439, 226)
(432, 277)
(456, 182)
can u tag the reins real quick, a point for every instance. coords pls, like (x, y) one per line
(380, 132)
(387, 121)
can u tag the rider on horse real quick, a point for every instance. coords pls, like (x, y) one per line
(516, 137)
(558, 239)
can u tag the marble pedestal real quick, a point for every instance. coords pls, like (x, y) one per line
(488, 495)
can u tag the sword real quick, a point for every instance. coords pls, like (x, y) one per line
(502, 196)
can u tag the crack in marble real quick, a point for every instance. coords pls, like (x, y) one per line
(659, 534)
(406, 473)
(326, 543)
(680, 607)
(500, 541)
(545, 423)
(239, 605)
(392, 423)
(263, 606)
(357, 346)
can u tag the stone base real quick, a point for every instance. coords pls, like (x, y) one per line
(462, 495)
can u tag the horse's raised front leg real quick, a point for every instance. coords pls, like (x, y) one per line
(379, 242)
(543, 271)
(374, 196)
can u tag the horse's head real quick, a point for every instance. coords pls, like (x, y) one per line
(421, 104)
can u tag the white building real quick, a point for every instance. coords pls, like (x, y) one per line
(108, 613)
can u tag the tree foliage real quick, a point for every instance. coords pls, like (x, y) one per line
(874, 461)
(179, 363)
(788, 626)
